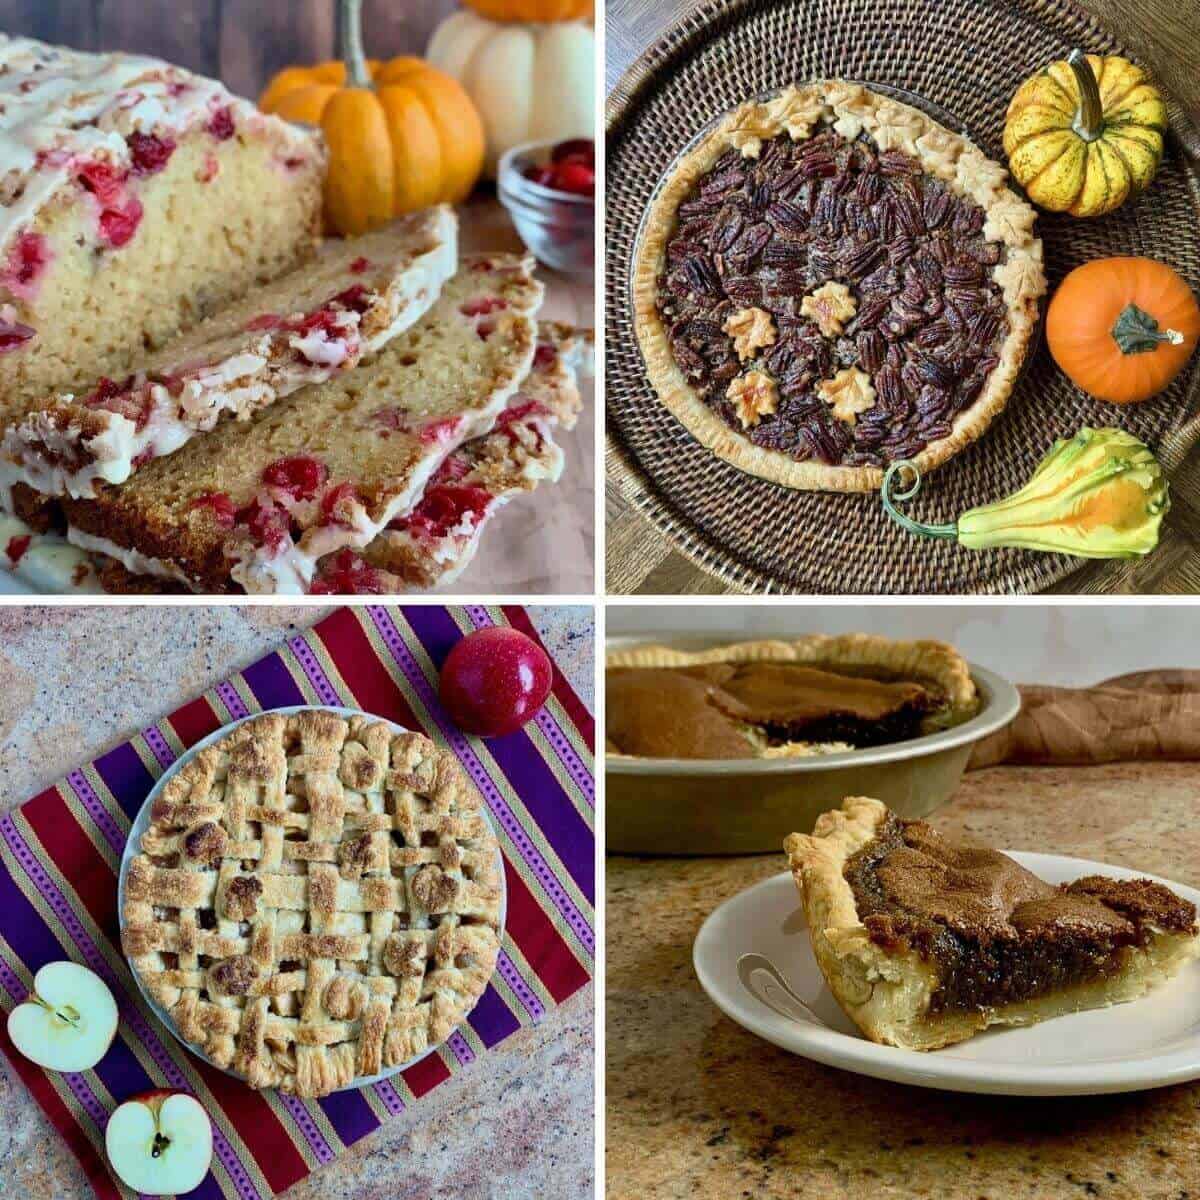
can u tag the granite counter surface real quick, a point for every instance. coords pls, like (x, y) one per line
(699, 1108)
(74, 681)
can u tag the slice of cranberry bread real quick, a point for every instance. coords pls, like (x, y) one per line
(433, 544)
(135, 198)
(256, 504)
(317, 320)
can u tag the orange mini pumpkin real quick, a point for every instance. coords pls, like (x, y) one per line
(401, 134)
(538, 11)
(1123, 328)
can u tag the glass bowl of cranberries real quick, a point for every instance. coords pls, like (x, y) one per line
(549, 189)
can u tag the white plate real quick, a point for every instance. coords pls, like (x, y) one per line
(142, 823)
(1147, 1043)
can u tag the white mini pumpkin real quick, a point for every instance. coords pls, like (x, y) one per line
(530, 82)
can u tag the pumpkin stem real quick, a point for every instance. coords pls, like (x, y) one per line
(1136, 332)
(350, 43)
(1089, 120)
(946, 532)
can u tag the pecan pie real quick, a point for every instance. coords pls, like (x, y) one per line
(315, 899)
(925, 941)
(771, 699)
(830, 282)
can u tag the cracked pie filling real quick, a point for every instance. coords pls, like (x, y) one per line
(832, 282)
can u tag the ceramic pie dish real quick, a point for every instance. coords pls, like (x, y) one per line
(749, 805)
(418, 952)
(829, 281)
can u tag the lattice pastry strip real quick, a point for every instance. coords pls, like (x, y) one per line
(315, 899)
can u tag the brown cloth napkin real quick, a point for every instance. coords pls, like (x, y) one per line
(1150, 714)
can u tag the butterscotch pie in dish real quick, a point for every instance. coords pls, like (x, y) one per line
(783, 699)
(925, 941)
(829, 281)
(315, 899)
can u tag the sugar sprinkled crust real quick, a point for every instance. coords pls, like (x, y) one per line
(851, 109)
(320, 319)
(315, 899)
(217, 515)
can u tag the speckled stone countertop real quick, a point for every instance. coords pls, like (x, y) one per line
(698, 1108)
(74, 681)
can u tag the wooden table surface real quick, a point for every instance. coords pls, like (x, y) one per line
(699, 1108)
(1164, 34)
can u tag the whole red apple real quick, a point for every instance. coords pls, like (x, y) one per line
(494, 681)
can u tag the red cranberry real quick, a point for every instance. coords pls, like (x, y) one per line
(485, 329)
(294, 163)
(323, 320)
(354, 298)
(300, 476)
(439, 431)
(105, 391)
(140, 460)
(545, 355)
(268, 525)
(118, 225)
(13, 335)
(540, 175)
(16, 548)
(494, 681)
(518, 412)
(346, 574)
(27, 259)
(149, 152)
(482, 306)
(220, 505)
(334, 499)
(359, 265)
(583, 149)
(447, 507)
(576, 178)
(103, 180)
(220, 124)
(266, 321)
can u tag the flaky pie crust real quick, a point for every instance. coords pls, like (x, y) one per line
(316, 898)
(886, 993)
(942, 153)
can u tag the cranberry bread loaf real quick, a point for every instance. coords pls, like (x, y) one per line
(255, 505)
(434, 543)
(135, 198)
(317, 320)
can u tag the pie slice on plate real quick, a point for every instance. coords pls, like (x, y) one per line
(926, 941)
(770, 699)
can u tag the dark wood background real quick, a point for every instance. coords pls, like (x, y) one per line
(242, 42)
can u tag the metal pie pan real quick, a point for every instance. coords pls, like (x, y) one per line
(684, 806)
(142, 823)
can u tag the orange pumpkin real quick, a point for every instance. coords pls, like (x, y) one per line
(532, 10)
(1123, 328)
(401, 134)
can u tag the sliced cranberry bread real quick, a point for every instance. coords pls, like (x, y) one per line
(317, 320)
(438, 539)
(433, 544)
(254, 505)
(135, 198)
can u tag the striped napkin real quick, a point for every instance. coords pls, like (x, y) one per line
(60, 853)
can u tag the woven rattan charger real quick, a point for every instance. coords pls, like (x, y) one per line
(967, 61)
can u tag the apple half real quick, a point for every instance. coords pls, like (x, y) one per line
(160, 1143)
(68, 1021)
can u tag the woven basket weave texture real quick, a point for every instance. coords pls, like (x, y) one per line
(966, 57)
